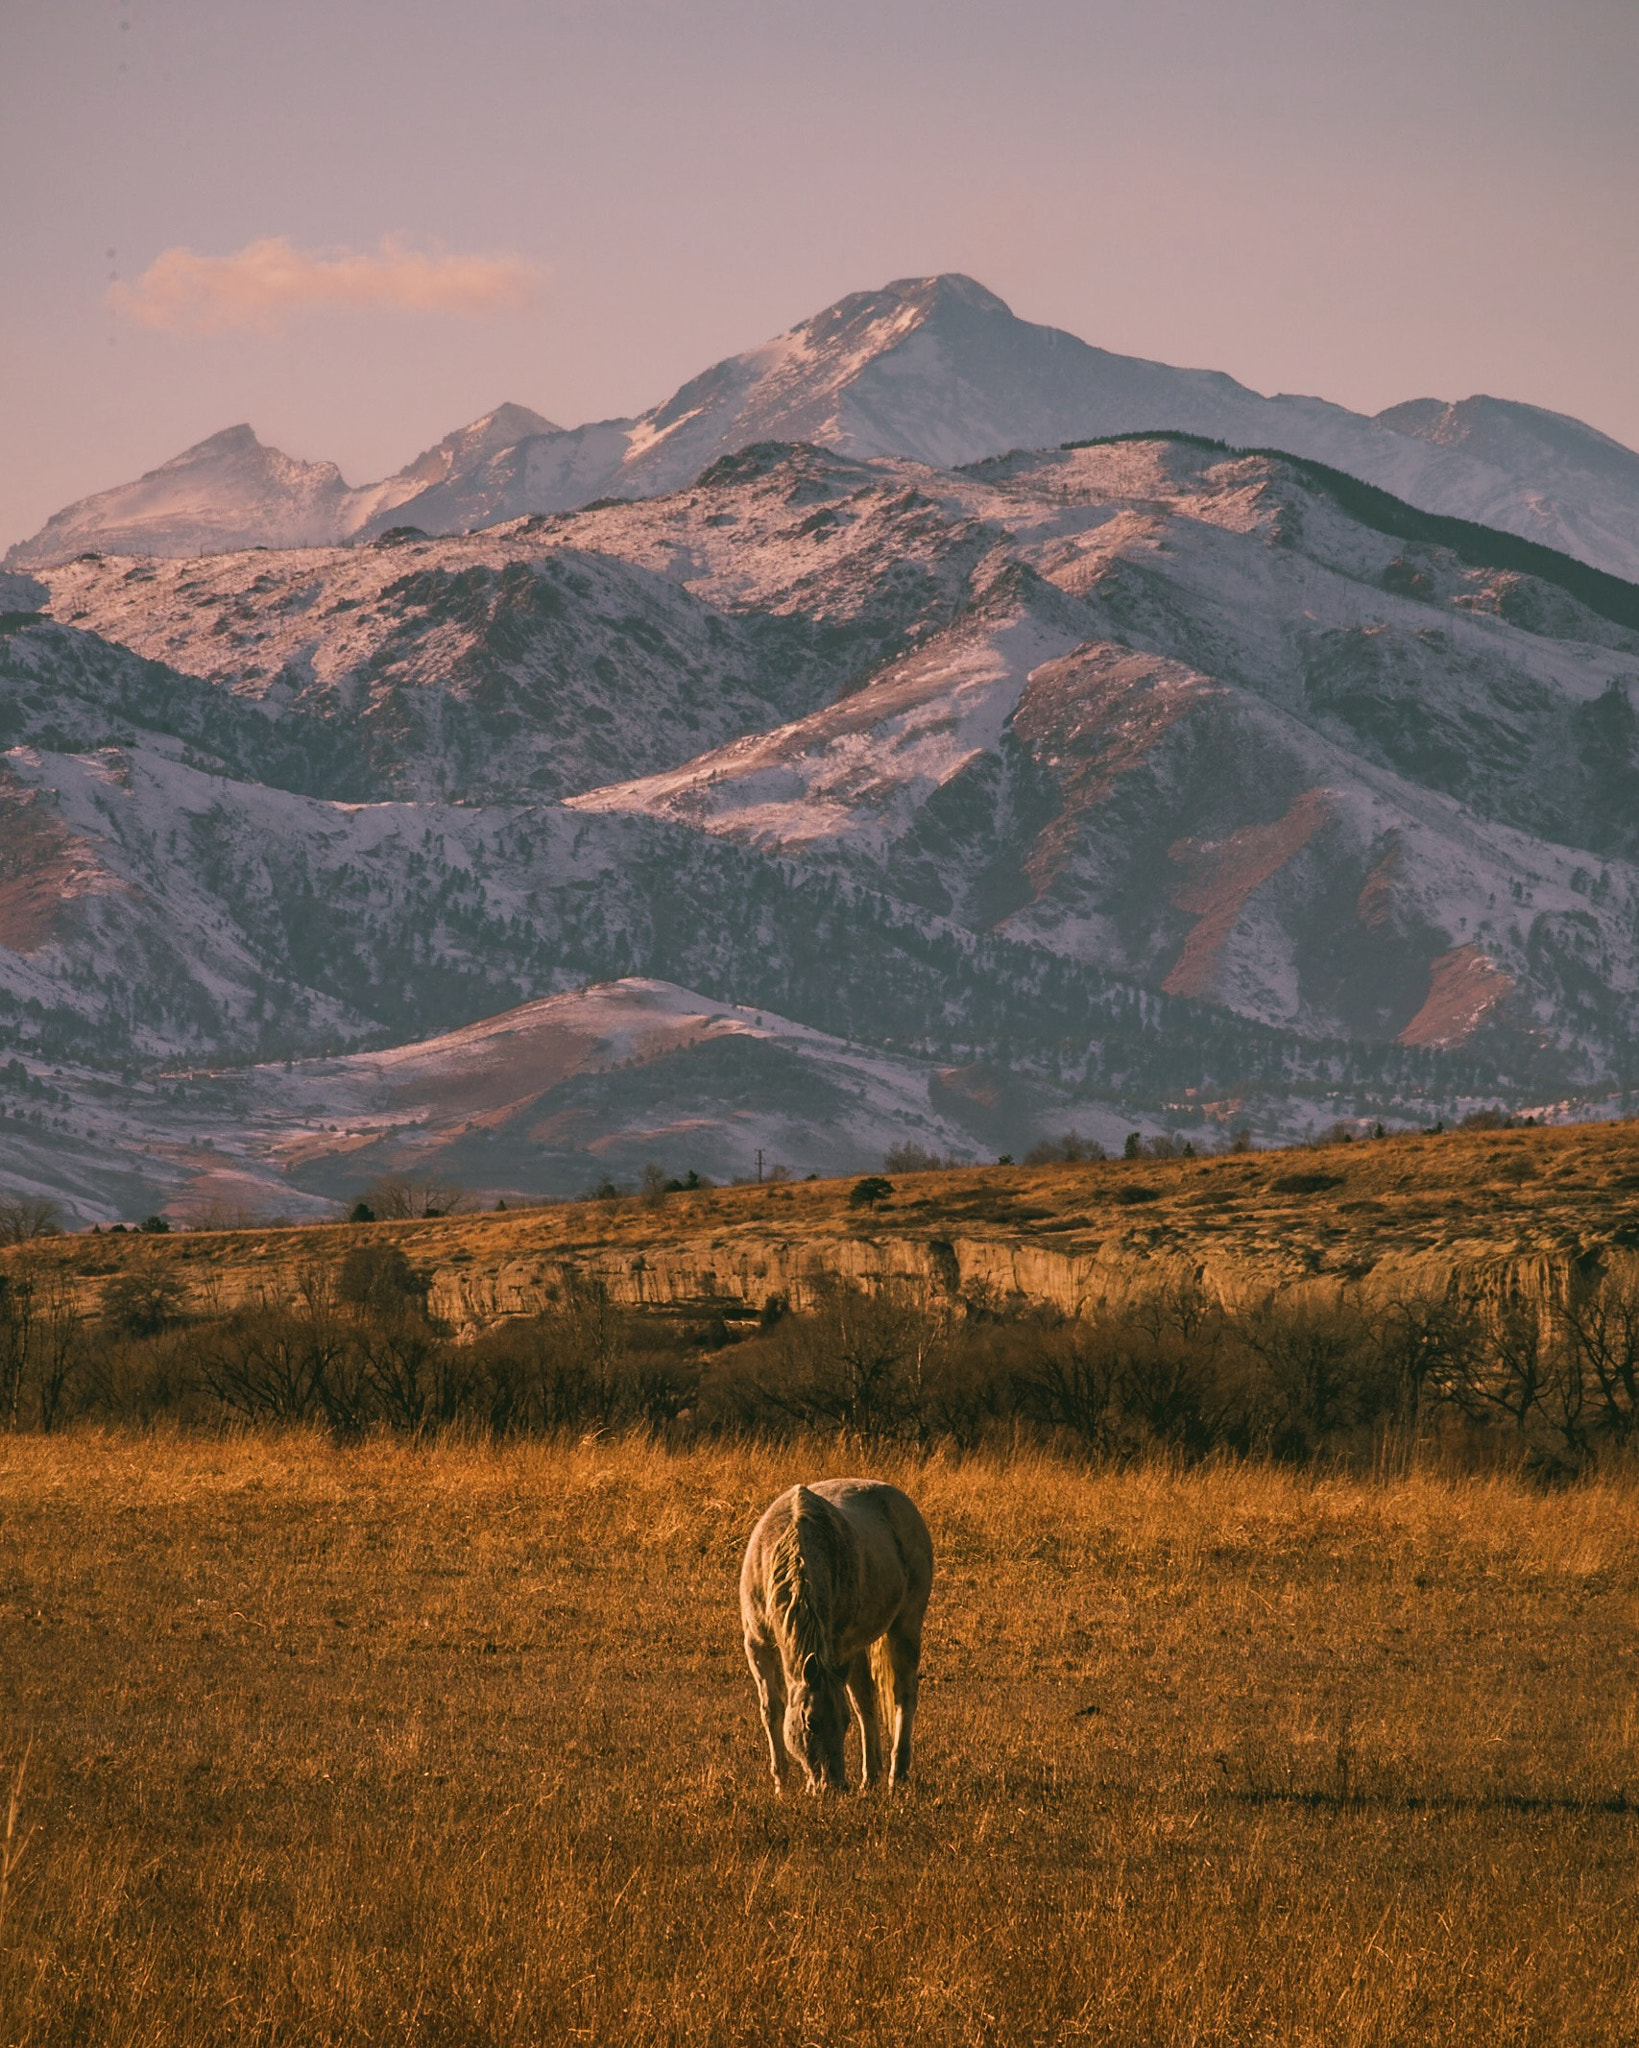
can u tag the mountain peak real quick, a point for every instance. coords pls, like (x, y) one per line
(225, 492)
(510, 422)
(239, 440)
(914, 294)
(948, 287)
(865, 324)
(503, 428)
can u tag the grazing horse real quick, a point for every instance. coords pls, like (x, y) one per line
(832, 1594)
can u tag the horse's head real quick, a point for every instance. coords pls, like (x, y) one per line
(816, 1721)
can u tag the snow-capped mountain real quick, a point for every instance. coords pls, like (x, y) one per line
(937, 369)
(232, 492)
(1134, 774)
(370, 509)
(1178, 717)
(226, 492)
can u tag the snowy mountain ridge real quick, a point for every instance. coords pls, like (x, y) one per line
(935, 369)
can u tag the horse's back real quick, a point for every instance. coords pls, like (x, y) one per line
(882, 1530)
(894, 1548)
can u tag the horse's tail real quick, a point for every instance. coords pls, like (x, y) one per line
(887, 1692)
(796, 1593)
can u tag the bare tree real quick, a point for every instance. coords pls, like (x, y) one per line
(26, 1216)
(1602, 1327)
(397, 1196)
(58, 1341)
(1070, 1150)
(17, 1310)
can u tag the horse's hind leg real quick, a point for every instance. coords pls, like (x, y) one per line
(769, 1675)
(905, 1656)
(862, 1686)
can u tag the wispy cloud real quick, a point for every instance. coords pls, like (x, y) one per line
(260, 286)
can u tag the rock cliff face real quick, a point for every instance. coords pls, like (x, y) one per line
(1515, 1215)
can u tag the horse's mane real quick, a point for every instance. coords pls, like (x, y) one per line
(792, 1593)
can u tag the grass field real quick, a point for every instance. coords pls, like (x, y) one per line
(415, 1745)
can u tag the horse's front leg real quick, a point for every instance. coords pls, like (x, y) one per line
(862, 1687)
(768, 1674)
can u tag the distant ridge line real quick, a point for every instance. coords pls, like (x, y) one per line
(1482, 547)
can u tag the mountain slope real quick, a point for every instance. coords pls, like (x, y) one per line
(154, 911)
(453, 669)
(1207, 730)
(551, 1097)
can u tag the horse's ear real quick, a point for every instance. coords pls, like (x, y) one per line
(813, 1670)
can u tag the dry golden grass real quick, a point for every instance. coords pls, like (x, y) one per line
(408, 1745)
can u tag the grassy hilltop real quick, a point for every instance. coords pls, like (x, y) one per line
(1494, 1208)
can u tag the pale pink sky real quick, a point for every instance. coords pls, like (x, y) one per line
(1369, 199)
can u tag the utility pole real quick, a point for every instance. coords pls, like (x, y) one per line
(759, 1166)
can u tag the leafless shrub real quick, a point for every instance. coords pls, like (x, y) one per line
(1070, 1150)
(1129, 1380)
(1430, 1347)
(866, 1361)
(1559, 1374)
(582, 1365)
(1316, 1373)
(416, 1377)
(1601, 1328)
(293, 1363)
(909, 1157)
(58, 1343)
